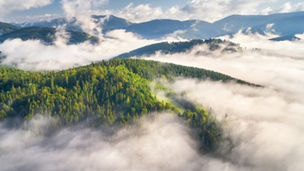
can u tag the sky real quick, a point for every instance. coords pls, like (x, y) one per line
(144, 10)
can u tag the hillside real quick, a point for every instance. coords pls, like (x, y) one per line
(156, 29)
(6, 28)
(180, 47)
(107, 22)
(114, 92)
(47, 35)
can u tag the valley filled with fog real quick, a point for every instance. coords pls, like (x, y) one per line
(260, 118)
(262, 126)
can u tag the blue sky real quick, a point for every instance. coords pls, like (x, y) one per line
(142, 10)
(55, 7)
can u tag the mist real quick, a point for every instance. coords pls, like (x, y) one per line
(262, 126)
(35, 55)
(156, 142)
(261, 61)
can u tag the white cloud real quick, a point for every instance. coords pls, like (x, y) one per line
(286, 7)
(217, 9)
(7, 6)
(161, 142)
(144, 12)
(290, 7)
(34, 55)
(81, 10)
(195, 9)
(263, 126)
(204, 10)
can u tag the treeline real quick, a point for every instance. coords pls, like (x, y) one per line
(153, 69)
(110, 92)
(181, 47)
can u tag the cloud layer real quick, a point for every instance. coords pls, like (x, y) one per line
(34, 55)
(152, 144)
(263, 127)
(9, 6)
(205, 10)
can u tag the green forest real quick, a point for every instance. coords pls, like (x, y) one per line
(181, 47)
(114, 92)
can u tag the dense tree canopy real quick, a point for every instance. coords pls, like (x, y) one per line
(110, 92)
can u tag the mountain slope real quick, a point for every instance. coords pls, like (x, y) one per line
(114, 92)
(6, 28)
(180, 47)
(282, 24)
(158, 28)
(110, 22)
(47, 35)
(106, 22)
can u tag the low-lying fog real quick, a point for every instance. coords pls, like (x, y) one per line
(264, 126)
(155, 143)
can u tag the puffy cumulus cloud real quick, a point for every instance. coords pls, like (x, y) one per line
(34, 55)
(195, 9)
(81, 10)
(204, 10)
(214, 10)
(285, 8)
(289, 7)
(144, 12)
(9, 6)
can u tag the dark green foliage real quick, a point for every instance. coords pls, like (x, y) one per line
(204, 125)
(47, 35)
(113, 92)
(118, 86)
(179, 47)
(108, 93)
(152, 69)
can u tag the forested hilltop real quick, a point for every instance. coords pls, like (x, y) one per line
(181, 47)
(110, 92)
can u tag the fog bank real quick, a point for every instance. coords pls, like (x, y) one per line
(161, 142)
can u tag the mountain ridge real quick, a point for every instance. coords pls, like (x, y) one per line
(115, 92)
(282, 24)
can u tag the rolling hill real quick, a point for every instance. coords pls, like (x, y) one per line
(181, 47)
(47, 35)
(6, 28)
(114, 92)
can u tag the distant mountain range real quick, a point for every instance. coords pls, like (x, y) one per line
(286, 25)
(6, 28)
(45, 34)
